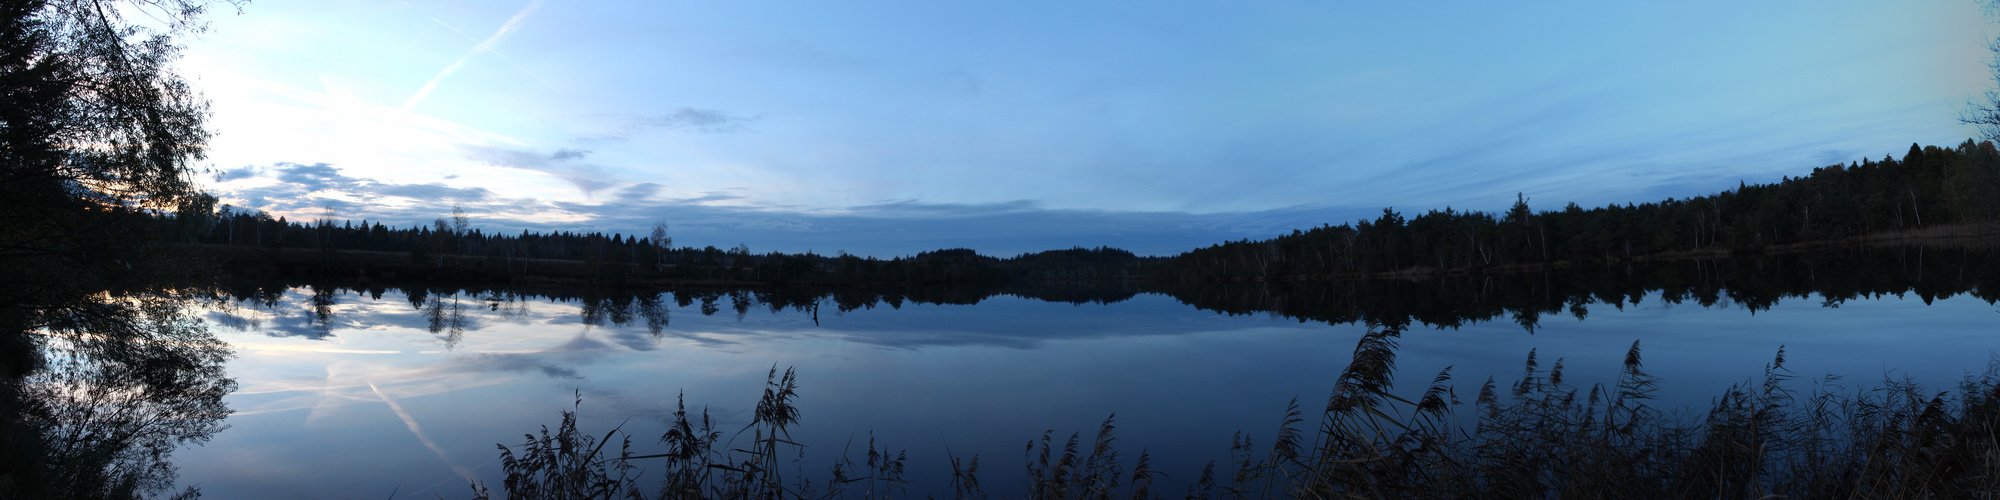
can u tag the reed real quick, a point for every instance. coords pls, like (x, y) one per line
(1537, 437)
(568, 464)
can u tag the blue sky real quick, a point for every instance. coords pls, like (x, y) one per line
(888, 128)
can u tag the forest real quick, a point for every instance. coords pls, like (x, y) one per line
(1931, 192)
(1950, 190)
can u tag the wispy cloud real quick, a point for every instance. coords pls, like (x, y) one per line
(237, 173)
(433, 191)
(696, 119)
(907, 207)
(640, 191)
(683, 119)
(552, 362)
(563, 163)
(499, 35)
(707, 197)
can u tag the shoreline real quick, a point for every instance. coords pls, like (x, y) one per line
(366, 267)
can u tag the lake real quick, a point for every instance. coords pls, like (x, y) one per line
(361, 391)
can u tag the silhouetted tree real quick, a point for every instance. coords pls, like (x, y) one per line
(1984, 112)
(99, 141)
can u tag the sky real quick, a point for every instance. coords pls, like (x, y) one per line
(891, 128)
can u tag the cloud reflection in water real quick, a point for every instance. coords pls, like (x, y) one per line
(981, 377)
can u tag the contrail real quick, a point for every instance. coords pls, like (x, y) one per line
(485, 46)
(419, 431)
(503, 56)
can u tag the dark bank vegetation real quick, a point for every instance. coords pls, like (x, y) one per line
(255, 243)
(1932, 194)
(1537, 437)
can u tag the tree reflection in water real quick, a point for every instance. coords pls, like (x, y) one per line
(1752, 283)
(444, 315)
(121, 383)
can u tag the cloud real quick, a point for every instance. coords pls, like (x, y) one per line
(309, 187)
(638, 191)
(238, 173)
(684, 119)
(302, 326)
(552, 362)
(561, 163)
(1837, 156)
(918, 207)
(509, 362)
(698, 120)
(707, 197)
(434, 191)
(314, 177)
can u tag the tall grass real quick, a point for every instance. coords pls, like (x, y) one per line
(1537, 437)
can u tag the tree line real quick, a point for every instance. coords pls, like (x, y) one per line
(1929, 188)
(617, 259)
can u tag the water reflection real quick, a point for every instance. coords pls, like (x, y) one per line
(1753, 284)
(426, 382)
(120, 382)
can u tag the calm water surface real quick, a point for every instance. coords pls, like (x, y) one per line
(352, 395)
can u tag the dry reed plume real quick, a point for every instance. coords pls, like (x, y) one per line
(1539, 437)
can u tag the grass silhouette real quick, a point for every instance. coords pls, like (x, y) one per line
(1538, 437)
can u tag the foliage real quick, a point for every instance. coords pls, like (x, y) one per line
(100, 375)
(617, 259)
(1932, 188)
